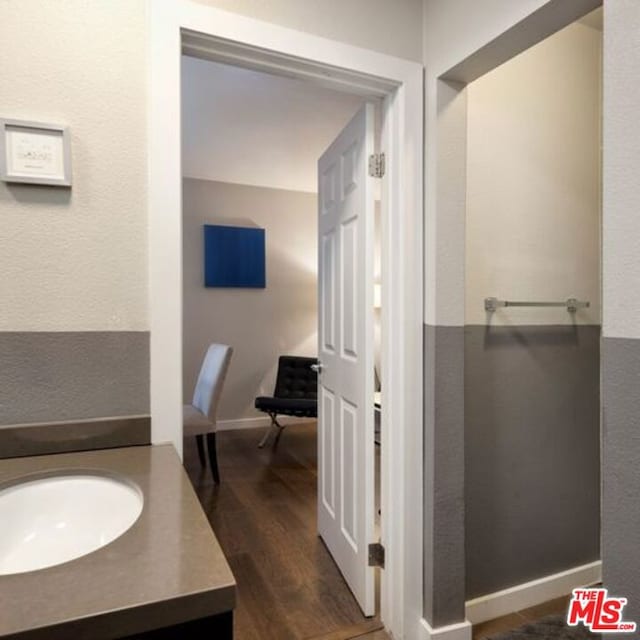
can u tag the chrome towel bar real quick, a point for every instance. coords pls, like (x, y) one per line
(571, 304)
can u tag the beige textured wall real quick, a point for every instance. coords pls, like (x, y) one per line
(390, 26)
(76, 259)
(533, 181)
(260, 324)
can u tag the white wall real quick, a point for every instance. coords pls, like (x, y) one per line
(621, 298)
(533, 181)
(280, 126)
(389, 26)
(621, 159)
(260, 324)
(76, 260)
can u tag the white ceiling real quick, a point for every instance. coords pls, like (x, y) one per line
(253, 128)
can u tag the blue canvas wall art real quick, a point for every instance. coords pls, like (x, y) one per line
(234, 257)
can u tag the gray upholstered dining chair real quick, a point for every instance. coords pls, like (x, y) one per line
(199, 417)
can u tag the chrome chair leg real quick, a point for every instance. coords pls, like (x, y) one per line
(276, 427)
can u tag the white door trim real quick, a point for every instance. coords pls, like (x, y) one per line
(251, 42)
(460, 631)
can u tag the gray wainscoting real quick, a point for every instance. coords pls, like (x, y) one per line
(621, 481)
(63, 376)
(444, 570)
(532, 452)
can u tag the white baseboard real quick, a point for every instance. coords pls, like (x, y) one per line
(460, 631)
(530, 594)
(258, 421)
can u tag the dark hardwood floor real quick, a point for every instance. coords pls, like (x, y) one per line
(264, 515)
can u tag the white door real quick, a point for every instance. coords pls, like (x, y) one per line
(345, 348)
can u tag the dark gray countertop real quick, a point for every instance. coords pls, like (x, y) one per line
(166, 569)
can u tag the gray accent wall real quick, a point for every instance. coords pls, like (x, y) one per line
(532, 452)
(72, 375)
(444, 528)
(621, 480)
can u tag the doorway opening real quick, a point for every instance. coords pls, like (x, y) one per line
(251, 143)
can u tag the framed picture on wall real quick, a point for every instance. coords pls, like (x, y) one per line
(35, 153)
(234, 257)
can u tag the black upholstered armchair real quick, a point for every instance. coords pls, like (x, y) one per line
(296, 394)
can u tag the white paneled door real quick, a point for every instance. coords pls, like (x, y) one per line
(345, 337)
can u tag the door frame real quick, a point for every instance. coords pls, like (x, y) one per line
(182, 25)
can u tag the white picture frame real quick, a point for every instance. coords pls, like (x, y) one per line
(35, 153)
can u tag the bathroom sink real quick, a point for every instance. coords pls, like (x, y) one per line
(50, 520)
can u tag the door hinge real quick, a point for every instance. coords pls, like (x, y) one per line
(376, 165)
(376, 555)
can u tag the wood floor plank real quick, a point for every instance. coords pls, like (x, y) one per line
(364, 631)
(485, 630)
(374, 635)
(263, 616)
(553, 607)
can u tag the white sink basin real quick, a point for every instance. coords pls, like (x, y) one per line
(51, 520)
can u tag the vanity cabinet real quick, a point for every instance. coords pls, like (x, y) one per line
(164, 577)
